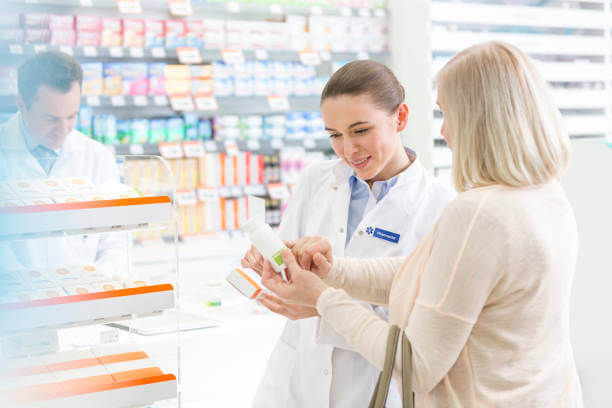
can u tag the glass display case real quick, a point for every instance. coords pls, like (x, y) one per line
(76, 317)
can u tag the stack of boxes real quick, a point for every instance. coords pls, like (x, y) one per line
(209, 175)
(201, 80)
(112, 78)
(111, 34)
(10, 29)
(47, 283)
(135, 78)
(177, 80)
(274, 126)
(251, 127)
(226, 127)
(88, 31)
(157, 78)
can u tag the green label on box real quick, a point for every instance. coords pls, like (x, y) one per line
(278, 258)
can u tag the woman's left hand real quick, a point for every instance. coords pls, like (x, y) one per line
(290, 310)
(302, 287)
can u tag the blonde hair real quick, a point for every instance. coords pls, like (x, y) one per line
(503, 124)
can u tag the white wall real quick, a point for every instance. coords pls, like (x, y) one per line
(411, 62)
(588, 184)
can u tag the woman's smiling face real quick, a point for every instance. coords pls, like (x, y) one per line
(364, 135)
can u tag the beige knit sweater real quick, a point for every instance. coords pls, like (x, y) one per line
(484, 300)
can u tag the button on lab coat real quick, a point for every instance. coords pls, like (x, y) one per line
(311, 365)
(80, 157)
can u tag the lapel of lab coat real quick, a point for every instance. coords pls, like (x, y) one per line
(392, 213)
(340, 198)
(19, 162)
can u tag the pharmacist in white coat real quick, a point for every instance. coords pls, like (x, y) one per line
(40, 142)
(376, 200)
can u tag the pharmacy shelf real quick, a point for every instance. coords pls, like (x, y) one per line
(578, 71)
(160, 106)
(179, 150)
(93, 377)
(575, 125)
(543, 44)
(518, 16)
(229, 9)
(227, 105)
(571, 99)
(77, 218)
(97, 307)
(137, 392)
(170, 54)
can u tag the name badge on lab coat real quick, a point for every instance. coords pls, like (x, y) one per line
(383, 234)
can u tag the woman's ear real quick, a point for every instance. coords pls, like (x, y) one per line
(402, 117)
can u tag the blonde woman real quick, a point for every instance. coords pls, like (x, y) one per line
(484, 298)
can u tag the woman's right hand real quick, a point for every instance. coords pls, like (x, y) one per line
(314, 254)
(253, 260)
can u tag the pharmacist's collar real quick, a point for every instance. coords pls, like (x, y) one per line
(31, 143)
(343, 171)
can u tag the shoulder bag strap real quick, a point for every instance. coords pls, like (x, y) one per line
(379, 396)
(407, 395)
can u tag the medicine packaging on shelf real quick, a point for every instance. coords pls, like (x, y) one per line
(133, 33)
(11, 203)
(74, 373)
(65, 276)
(67, 199)
(64, 190)
(297, 32)
(92, 273)
(111, 34)
(79, 289)
(38, 201)
(79, 185)
(28, 188)
(106, 286)
(38, 278)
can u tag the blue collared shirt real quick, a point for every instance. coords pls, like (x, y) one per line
(46, 157)
(360, 196)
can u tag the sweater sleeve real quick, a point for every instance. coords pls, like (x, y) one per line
(462, 270)
(366, 279)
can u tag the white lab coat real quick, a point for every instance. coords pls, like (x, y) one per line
(312, 366)
(81, 157)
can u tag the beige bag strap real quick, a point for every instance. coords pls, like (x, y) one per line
(407, 394)
(381, 391)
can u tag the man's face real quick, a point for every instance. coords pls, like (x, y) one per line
(52, 115)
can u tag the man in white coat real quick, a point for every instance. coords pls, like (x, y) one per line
(377, 200)
(39, 142)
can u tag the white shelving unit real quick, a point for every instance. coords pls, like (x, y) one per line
(42, 299)
(61, 219)
(570, 41)
(88, 308)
